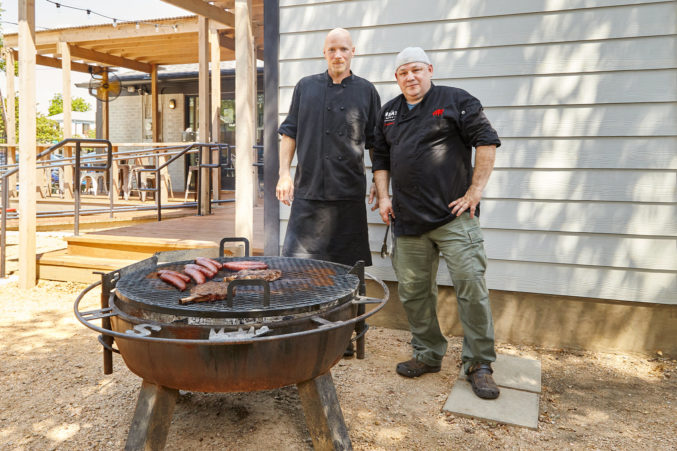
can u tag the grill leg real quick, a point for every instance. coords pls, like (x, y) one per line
(323, 414)
(152, 417)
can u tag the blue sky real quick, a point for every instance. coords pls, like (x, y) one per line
(47, 15)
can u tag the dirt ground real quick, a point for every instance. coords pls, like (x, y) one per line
(56, 397)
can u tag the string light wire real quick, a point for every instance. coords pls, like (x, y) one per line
(115, 20)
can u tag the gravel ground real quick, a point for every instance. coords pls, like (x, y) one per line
(55, 395)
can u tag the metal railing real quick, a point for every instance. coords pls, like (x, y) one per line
(76, 176)
(104, 162)
(198, 183)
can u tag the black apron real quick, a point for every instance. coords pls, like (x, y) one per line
(334, 231)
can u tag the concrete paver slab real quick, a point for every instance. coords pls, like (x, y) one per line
(514, 407)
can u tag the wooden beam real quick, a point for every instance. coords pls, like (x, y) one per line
(111, 60)
(245, 117)
(203, 111)
(27, 148)
(67, 182)
(204, 9)
(215, 50)
(229, 43)
(48, 61)
(105, 32)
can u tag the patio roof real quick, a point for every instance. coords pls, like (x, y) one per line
(174, 41)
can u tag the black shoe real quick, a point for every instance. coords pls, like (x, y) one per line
(415, 368)
(482, 382)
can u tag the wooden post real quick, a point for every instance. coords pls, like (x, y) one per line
(154, 103)
(215, 47)
(104, 109)
(11, 117)
(203, 113)
(116, 183)
(152, 418)
(323, 414)
(65, 52)
(245, 108)
(155, 119)
(27, 141)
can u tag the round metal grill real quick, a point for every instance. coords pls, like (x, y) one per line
(305, 286)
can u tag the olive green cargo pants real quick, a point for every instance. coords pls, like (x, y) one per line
(416, 259)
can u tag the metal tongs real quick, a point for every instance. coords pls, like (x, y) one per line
(384, 248)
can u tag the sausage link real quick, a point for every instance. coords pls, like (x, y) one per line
(197, 276)
(204, 270)
(207, 263)
(182, 276)
(216, 263)
(172, 279)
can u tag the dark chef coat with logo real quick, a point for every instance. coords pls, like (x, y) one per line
(428, 151)
(332, 124)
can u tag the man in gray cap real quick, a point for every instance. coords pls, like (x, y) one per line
(423, 141)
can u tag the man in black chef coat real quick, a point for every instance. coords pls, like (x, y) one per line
(330, 122)
(423, 140)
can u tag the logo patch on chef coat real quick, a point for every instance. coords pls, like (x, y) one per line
(389, 117)
(438, 112)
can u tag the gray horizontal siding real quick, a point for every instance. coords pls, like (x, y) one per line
(498, 31)
(583, 198)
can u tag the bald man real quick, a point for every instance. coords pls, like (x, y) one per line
(330, 123)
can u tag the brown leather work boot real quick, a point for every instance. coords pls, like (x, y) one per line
(482, 382)
(414, 368)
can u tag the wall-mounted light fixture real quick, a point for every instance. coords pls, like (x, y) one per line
(172, 104)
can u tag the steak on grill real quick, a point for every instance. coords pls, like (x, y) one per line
(265, 274)
(207, 292)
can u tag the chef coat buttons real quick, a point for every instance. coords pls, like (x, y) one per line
(326, 132)
(340, 157)
(328, 108)
(462, 111)
(340, 133)
(343, 108)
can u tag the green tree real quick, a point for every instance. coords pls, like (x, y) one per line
(47, 130)
(77, 104)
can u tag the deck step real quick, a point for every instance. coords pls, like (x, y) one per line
(128, 247)
(63, 266)
(87, 254)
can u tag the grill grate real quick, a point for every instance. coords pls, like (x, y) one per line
(305, 286)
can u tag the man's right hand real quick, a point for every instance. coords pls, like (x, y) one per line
(285, 190)
(386, 209)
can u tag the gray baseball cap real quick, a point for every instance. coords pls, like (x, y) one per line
(411, 55)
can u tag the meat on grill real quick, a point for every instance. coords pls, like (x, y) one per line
(173, 279)
(206, 271)
(244, 264)
(196, 275)
(265, 274)
(207, 292)
(180, 275)
(208, 263)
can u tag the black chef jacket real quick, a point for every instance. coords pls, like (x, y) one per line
(332, 124)
(428, 152)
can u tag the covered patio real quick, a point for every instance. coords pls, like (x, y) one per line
(219, 31)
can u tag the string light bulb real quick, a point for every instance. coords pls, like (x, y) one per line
(157, 28)
(115, 23)
(137, 25)
(175, 28)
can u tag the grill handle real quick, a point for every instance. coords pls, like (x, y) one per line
(260, 282)
(236, 239)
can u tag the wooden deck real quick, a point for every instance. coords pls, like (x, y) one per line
(220, 224)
